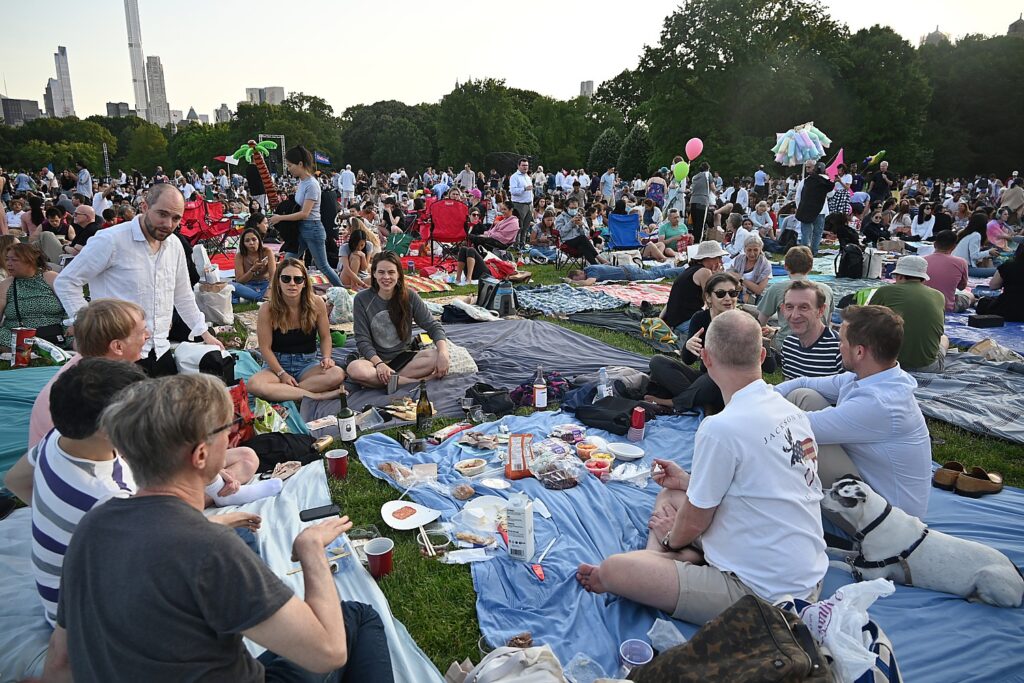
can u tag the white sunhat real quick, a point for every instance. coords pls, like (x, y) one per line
(709, 249)
(912, 266)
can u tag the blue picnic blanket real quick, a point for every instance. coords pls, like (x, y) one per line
(595, 520)
(565, 299)
(1011, 335)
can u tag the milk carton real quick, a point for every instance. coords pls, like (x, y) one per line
(520, 527)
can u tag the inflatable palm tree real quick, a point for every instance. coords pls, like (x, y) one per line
(254, 152)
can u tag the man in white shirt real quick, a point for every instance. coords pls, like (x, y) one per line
(607, 184)
(84, 184)
(559, 178)
(584, 180)
(466, 178)
(540, 178)
(567, 182)
(207, 175)
(520, 187)
(135, 261)
(751, 504)
(346, 186)
(867, 420)
(761, 182)
(100, 203)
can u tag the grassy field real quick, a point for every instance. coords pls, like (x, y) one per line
(437, 602)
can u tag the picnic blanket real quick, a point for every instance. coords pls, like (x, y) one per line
(563, 299)
(975, 394)
(507, 353)
(626, 321)
(595, 520)
(18, 391)
(1011, 335)
(635, 293)
(24, 634)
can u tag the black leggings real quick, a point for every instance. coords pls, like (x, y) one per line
(584, 246)
(687, 388)
(488, 242)
(479, 269)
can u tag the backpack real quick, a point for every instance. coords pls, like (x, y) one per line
(275, 448)
(612, 414)
(850, 262)
(557, 387)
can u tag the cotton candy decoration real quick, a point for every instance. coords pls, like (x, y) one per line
(799, 144)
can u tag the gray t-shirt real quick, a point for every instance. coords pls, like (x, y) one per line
(376, 334)
(309, 189)
(152, 591)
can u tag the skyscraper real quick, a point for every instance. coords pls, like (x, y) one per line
(223, 114)
(17, 112)
(52, 97)
(131, 14)
(118, 110)
(270, 95)
(66, 105)
(586, 88)
(159, 110)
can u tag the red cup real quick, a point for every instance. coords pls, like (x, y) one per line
(337, 463)
(379, 556)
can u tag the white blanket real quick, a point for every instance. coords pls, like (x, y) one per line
(24, 633)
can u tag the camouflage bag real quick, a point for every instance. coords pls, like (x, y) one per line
(752, 641)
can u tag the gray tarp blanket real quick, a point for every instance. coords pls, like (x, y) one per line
(507, 353)
(978, 395)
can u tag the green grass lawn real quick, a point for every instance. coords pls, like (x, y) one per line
(437, 602)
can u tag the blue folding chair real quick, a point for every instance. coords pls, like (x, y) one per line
(624, 231)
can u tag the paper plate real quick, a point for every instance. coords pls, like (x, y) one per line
(495, 483)
(625, 451)
(491, 505)
(423, 515)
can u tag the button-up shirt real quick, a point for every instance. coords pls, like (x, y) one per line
(84, 185)
(878, 423)
(118, 263)
(521, 188)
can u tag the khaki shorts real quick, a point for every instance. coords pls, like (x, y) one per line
(705, 592)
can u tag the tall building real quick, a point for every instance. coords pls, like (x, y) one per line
(270, 95)
(65, 106)
(936, 37)
(118, 110)
(17, 112)
(1016, 28)
(52, 97)
(222, 114)
(176, 117)
(131, 15)
(159, 110)
(586, 88)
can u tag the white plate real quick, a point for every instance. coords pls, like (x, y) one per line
(424, 515)
(625, 451)
(495, 483)
(491, 505)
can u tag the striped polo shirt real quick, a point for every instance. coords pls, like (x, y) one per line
(64, 488)
(820, 359)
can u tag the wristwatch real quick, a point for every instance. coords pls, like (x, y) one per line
(666, 546)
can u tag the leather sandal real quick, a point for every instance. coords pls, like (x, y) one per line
(978, 483)
(945, 477)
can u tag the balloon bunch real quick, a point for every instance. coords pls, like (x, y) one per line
(874, 158)
(681, 169)
(799, 144)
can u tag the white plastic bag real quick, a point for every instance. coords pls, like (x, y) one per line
(664, 635)
(341, 305)
(215, 303)
(836, 623)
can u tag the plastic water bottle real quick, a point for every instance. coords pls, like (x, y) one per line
(520, 527)
(603, 388)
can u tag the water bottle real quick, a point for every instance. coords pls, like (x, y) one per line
(603, 388)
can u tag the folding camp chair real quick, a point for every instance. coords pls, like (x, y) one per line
(567, 257)
(447, 227)
(624, 231)
(193, 218)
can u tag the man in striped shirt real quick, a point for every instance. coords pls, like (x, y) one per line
(812, 350)
(75, 466)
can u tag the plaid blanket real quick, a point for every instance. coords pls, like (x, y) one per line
(636, 293)
(414, 282)
(565, 300)
(975, 394)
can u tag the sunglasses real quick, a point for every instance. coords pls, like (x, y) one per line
(297, 279)
(731, 293)
(237, 421)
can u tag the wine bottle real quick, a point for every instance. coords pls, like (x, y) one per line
(346, 421)
(424, 413)
(540, 390)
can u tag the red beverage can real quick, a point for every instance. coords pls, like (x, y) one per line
(638, 418)
(21, 347)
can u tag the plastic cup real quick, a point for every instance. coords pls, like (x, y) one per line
(634, 653)
(337, 463)
(379, 556)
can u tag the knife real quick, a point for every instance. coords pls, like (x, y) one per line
(537, 568)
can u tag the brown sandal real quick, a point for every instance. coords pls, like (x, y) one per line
(945, 477)
(978, 482)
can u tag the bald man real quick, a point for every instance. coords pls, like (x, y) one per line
(86, 225)
(747, 519)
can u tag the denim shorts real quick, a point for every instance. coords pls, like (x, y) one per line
(295, 364)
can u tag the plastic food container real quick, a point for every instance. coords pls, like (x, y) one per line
(606, 457)
(584, 450)
(470, 467)
(598, 467)
(557, 473)
(438, 541)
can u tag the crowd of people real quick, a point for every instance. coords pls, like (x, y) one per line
(113, 426)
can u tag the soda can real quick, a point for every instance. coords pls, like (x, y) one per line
(410, 266)
(21, 347)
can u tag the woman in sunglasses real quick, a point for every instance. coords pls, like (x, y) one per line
(287, 328)
(384, 315)
(675, 384)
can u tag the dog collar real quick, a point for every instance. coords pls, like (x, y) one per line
(859, 535)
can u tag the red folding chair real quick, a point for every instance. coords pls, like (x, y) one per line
(203, 223)
(193, 218)
(447, 227)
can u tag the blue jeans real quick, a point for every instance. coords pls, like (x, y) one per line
(313, 236)
(810, 233)
(253, 290)
(369, 659)
(975, 271)
(296, 364)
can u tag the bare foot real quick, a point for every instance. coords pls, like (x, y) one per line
(238, 520)
(587, 575)
(325, 395)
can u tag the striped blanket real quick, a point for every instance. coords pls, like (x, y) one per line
(414, 282)
(635, 293)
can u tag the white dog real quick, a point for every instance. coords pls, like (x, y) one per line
(897, 546)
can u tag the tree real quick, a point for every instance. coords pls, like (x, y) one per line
(605, 151)
(370, 130)
(400, 144)
(480, 118)
(255, 153)
(147, 148)
(635, 154)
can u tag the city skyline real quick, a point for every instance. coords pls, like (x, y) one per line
(227, 68)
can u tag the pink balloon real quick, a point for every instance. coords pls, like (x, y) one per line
(693, 148)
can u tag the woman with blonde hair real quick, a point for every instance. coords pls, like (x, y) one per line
(287, 327)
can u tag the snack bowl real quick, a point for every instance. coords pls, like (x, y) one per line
(626, 451)
(585, 449)
(603, 456)
(470, 467)
(439, 542)
(598, 468)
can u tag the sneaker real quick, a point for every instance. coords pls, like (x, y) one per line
(474, 282)
(540, 260)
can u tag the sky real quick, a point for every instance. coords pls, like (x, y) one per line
(354, 51)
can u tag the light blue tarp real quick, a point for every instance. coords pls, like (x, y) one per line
(937, 637)
(18, 391)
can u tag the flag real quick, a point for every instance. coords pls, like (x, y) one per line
(833, 168)
(227, 159)
(321, 158)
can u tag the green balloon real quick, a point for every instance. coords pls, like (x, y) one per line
(681, 170)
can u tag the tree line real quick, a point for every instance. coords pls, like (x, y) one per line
(732, 72)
